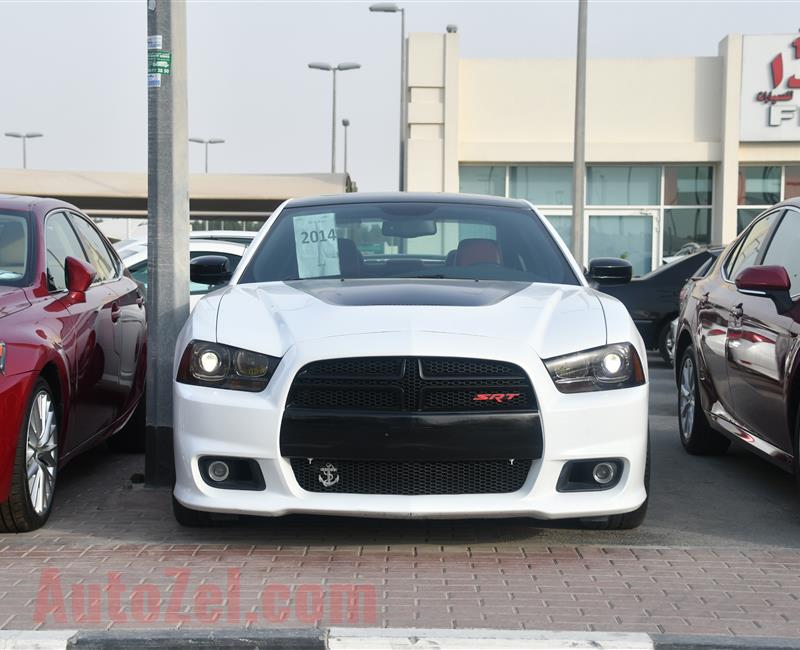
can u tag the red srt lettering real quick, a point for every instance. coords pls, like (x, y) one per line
(495, 397)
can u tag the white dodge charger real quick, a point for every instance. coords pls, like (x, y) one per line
(411, 355)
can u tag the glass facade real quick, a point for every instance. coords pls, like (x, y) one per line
(678, 196)
(761, 186)
(540, 184)
(623, 185)
(482, 179)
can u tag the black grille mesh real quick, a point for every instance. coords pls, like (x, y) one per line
(411, 477)
(441, 384)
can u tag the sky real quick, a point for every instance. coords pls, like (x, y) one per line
(76, 71)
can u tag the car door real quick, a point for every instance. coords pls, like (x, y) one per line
(90, 342)
(127, 310)
(760, 341)
(717, 305)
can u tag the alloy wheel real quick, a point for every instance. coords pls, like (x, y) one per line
(686, 398)
(41, 454)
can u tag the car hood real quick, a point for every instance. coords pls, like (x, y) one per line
(12, 300)
(271, 317)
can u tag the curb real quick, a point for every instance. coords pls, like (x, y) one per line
(378, 639)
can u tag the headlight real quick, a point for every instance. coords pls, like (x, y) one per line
(606, 368)
(2, 358)
(221, 366)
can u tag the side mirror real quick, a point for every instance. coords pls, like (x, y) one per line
(767, 281)
(209, 269)
(80, 276)
(610, 270)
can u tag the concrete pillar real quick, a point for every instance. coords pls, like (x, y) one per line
(726, 184)
(432, 154)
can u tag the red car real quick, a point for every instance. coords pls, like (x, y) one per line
(72, 350)
(738, 350)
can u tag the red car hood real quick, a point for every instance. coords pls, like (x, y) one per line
(12, 300)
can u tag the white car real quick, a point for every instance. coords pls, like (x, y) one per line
(134, 257)
(411, 355)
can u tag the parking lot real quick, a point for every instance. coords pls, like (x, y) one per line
(718, 553)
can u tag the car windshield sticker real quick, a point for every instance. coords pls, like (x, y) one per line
(316, 246)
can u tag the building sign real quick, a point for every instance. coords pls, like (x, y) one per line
(770, 108)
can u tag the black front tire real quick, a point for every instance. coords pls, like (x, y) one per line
(188, 517)
(626, 520)
(697, 436)
(17, 513)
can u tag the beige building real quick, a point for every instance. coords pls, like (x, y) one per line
(678, 150)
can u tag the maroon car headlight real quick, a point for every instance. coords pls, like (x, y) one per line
(222, 366)
(605, 368)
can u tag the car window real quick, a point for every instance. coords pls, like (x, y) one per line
(13, 248)
(751, 246)
(784, 249)
(409, 240)
(96, 250)
(61, 242)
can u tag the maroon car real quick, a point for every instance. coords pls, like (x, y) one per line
(738, 350)
(72, 350)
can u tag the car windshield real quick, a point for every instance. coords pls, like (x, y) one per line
(13, 248)
(409, 240)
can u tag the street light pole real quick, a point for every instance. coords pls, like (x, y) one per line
(24, 137)
(579, 159)
(390, 8)
(207, 142)
(345, 124)
(327, 67)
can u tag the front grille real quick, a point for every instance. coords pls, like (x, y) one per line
(412, 384)
(411, 477)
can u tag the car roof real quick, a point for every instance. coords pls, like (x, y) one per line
(21, 202)
(407, 197)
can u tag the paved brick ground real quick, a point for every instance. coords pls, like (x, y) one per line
(435, 574)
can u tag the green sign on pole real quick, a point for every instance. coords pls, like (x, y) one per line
(159, 62)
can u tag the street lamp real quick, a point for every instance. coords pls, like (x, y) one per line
(390, 8)
(206, 143)
(327, 67)
(345, 124)
(24, 137)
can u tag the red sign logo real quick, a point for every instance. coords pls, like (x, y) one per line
(495, 397)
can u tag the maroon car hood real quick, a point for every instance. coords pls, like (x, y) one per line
(12, 300)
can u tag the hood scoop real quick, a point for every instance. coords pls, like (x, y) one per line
(409, 292)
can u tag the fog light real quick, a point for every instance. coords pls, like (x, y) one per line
(218, 471)
(603, 473)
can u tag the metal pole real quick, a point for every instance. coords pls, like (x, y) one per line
(579, 160)
(206, 157)
(333, 127)
(167, 233)
(345, 150)
(403, 102)
(24, 152)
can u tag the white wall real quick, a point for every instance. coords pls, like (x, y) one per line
(659, 110)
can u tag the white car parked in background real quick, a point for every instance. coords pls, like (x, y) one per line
(134, 257)
(411, 355)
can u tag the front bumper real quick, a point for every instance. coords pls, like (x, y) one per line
(213, 422)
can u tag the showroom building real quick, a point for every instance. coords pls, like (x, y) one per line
(678, 150)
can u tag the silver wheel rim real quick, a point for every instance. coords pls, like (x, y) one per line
(41, 452)
(671, 344)
(686, 399)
